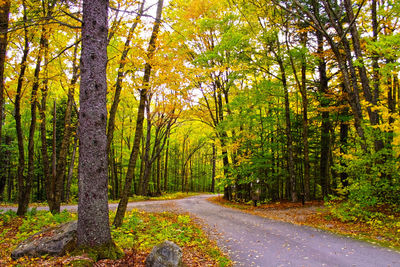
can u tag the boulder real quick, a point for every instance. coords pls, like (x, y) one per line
(166, 254)
(54, 241)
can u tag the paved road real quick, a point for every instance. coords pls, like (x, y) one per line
(255, 241)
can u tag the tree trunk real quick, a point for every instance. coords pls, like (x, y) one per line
(183, 166)
(325, 124)
(33, 101)
(166, 167)
(158, 192)
(93, 222)
(5, 164)
(144, 180)
(4, 13)
(71, 170)
(23, 199)
(288, 132)
(45, 157)
(118, 89)
(344, 133)
(53, 183)
(214, 152)
(305, 123)
(139, 122)
(68, 130)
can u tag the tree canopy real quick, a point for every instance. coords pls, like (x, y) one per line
(295, 100)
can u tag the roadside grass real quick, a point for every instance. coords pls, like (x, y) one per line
(382, 226)
(139, 233)
(134, 198)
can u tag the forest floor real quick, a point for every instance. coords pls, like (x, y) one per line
(149, 229)
(318, 215)
(141, 231)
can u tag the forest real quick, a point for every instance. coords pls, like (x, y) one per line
(292, 100)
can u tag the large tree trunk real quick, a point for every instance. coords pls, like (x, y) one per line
(139, 122)
(93, 221)
(4, 13)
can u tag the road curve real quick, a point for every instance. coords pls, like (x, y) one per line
(255, 241)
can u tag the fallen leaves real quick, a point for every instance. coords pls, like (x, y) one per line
(142, 231)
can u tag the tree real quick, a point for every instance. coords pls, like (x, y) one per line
(24, 182)
(4, 13)
(93, 221)
(140, 118)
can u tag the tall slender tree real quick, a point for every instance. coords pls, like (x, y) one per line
(140, 118)
(4, 13)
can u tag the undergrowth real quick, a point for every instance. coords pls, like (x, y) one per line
(139, 233)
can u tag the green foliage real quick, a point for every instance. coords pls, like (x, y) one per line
(7, 216)
(145, 230)
(36, 221)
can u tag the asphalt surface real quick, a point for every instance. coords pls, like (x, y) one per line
(255, 241)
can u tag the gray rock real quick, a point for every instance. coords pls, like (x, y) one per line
(166, 254)
(53, 241)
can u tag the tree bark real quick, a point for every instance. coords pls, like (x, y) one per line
(23, 199)
(93, 221)
(4, 13)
